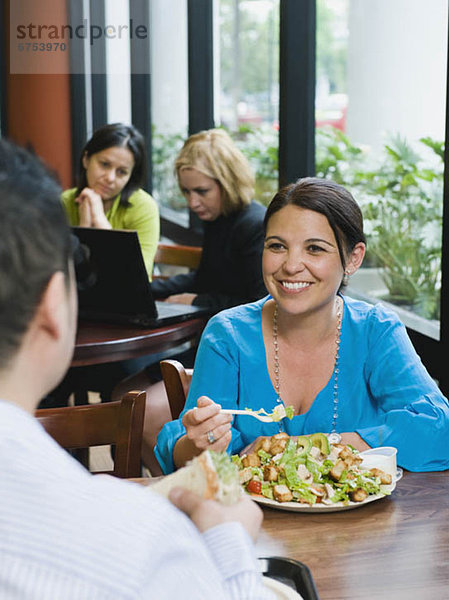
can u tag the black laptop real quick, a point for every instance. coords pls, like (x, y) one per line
(117, 289)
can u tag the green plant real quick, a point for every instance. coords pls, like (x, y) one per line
(401, 198)
(406, 224)
(165, 148)
(336, 157)
(260, 146)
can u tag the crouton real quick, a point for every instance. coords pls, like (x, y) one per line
(245, 475)
(337, 470)
(345, 452)
(263, 444)
(349, 457)
(251, 460)
(278, 443)
(358, 495)
(281, 493)
(385, 478)
(270, 473)
(353, 460)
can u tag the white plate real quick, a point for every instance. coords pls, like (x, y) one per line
(281, 591)
(320, 508)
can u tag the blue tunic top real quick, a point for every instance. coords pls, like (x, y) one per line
(384, 392)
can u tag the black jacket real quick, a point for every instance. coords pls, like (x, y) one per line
(230, 271)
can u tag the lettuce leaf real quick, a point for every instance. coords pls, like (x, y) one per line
(289, 453)
(264, 456)
(267, 490)
(227, 470)
(278, 413)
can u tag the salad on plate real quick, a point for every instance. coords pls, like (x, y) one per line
(309, 470)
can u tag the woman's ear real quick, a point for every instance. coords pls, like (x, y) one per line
(85, 160)
(355, 258)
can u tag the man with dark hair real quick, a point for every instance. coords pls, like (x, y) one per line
(65, 533)
(35, 243)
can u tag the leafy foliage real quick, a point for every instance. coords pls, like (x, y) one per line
(401, 197)
(260, 146)
(165, 148)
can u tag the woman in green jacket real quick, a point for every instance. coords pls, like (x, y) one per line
(108, 195)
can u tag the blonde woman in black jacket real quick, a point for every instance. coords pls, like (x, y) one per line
(217, 182)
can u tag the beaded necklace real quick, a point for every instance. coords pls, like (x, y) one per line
(334, 437)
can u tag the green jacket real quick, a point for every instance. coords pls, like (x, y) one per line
(142, 216)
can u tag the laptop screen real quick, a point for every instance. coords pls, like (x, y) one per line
(119, 281)
(117, 289)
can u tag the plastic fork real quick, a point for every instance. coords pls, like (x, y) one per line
(263, 418)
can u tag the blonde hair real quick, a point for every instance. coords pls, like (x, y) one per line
(214, 154)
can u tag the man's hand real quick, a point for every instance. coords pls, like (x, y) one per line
(209, 513)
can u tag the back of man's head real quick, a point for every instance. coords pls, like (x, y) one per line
(34, 242)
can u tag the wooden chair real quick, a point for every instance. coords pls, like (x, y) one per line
(175, 255)
(117, 423)
(177, 382)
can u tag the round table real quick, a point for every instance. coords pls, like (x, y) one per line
(98, 343)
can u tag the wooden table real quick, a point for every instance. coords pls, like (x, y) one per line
(98, 343)
(396, 548)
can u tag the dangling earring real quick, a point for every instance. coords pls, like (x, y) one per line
(346, 277)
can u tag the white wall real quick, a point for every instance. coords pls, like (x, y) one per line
(397, 53)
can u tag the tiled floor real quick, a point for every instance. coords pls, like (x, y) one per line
(100, 459)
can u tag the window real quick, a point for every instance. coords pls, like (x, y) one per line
(169, 99)
(380, 126)
(247, 90)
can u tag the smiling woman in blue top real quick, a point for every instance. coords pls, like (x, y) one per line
(345, 366)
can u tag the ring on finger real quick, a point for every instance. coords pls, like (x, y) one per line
(210, 437)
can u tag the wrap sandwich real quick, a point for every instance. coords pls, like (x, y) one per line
(211, 475)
